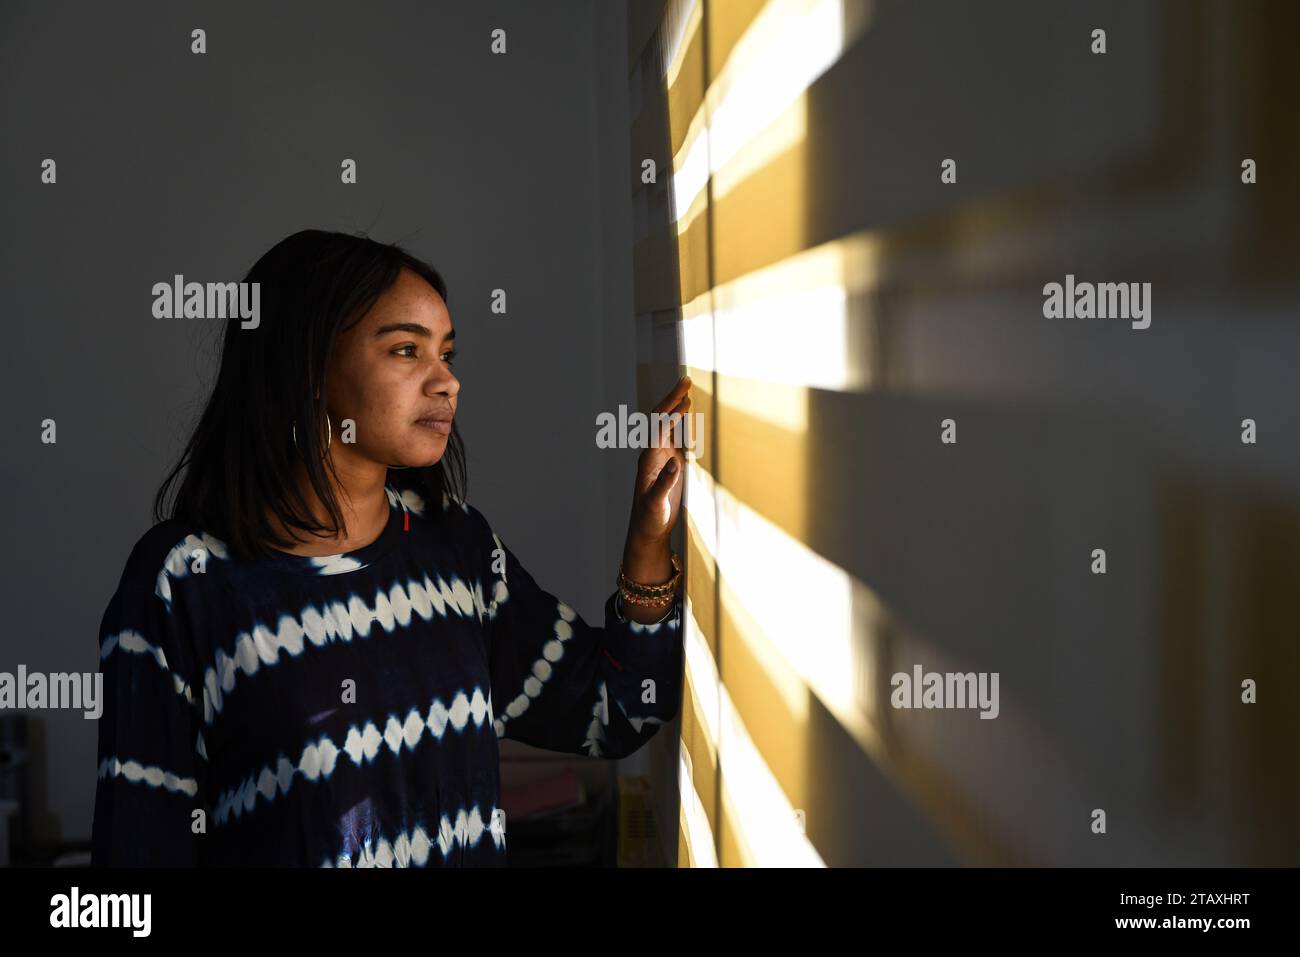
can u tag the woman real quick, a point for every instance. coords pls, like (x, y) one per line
(311, 659)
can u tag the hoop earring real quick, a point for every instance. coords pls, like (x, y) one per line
(329, 433)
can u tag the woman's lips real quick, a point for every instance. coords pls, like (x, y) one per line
(442, 426)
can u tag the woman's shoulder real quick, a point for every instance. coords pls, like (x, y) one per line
(167, 551)
(474, 522)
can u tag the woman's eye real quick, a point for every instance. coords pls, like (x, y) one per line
(447, 357)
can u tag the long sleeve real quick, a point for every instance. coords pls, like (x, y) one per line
(151, 761)
(561, 684)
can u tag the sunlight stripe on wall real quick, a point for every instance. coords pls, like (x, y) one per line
(789, 44)
(809, 618)
(805, 321)
(696, 833)
(764, 819)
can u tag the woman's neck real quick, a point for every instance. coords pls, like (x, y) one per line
(361, 499)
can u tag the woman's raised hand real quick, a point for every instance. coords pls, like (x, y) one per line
(660, 478)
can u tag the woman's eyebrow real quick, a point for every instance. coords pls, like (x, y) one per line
(412, 327)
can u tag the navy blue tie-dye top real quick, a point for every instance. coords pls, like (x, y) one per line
(345, 710)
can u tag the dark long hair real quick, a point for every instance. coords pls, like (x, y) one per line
(239, 461)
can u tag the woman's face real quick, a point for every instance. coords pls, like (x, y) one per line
(391, 374)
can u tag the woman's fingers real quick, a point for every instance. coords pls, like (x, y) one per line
(683, 387)
(669, 426)
(667, 476)
(677, 402)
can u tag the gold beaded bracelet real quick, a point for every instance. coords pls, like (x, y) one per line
(663, 602)
(652, 590)
(636, 593)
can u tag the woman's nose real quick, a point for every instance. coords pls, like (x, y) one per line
(446, 384)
